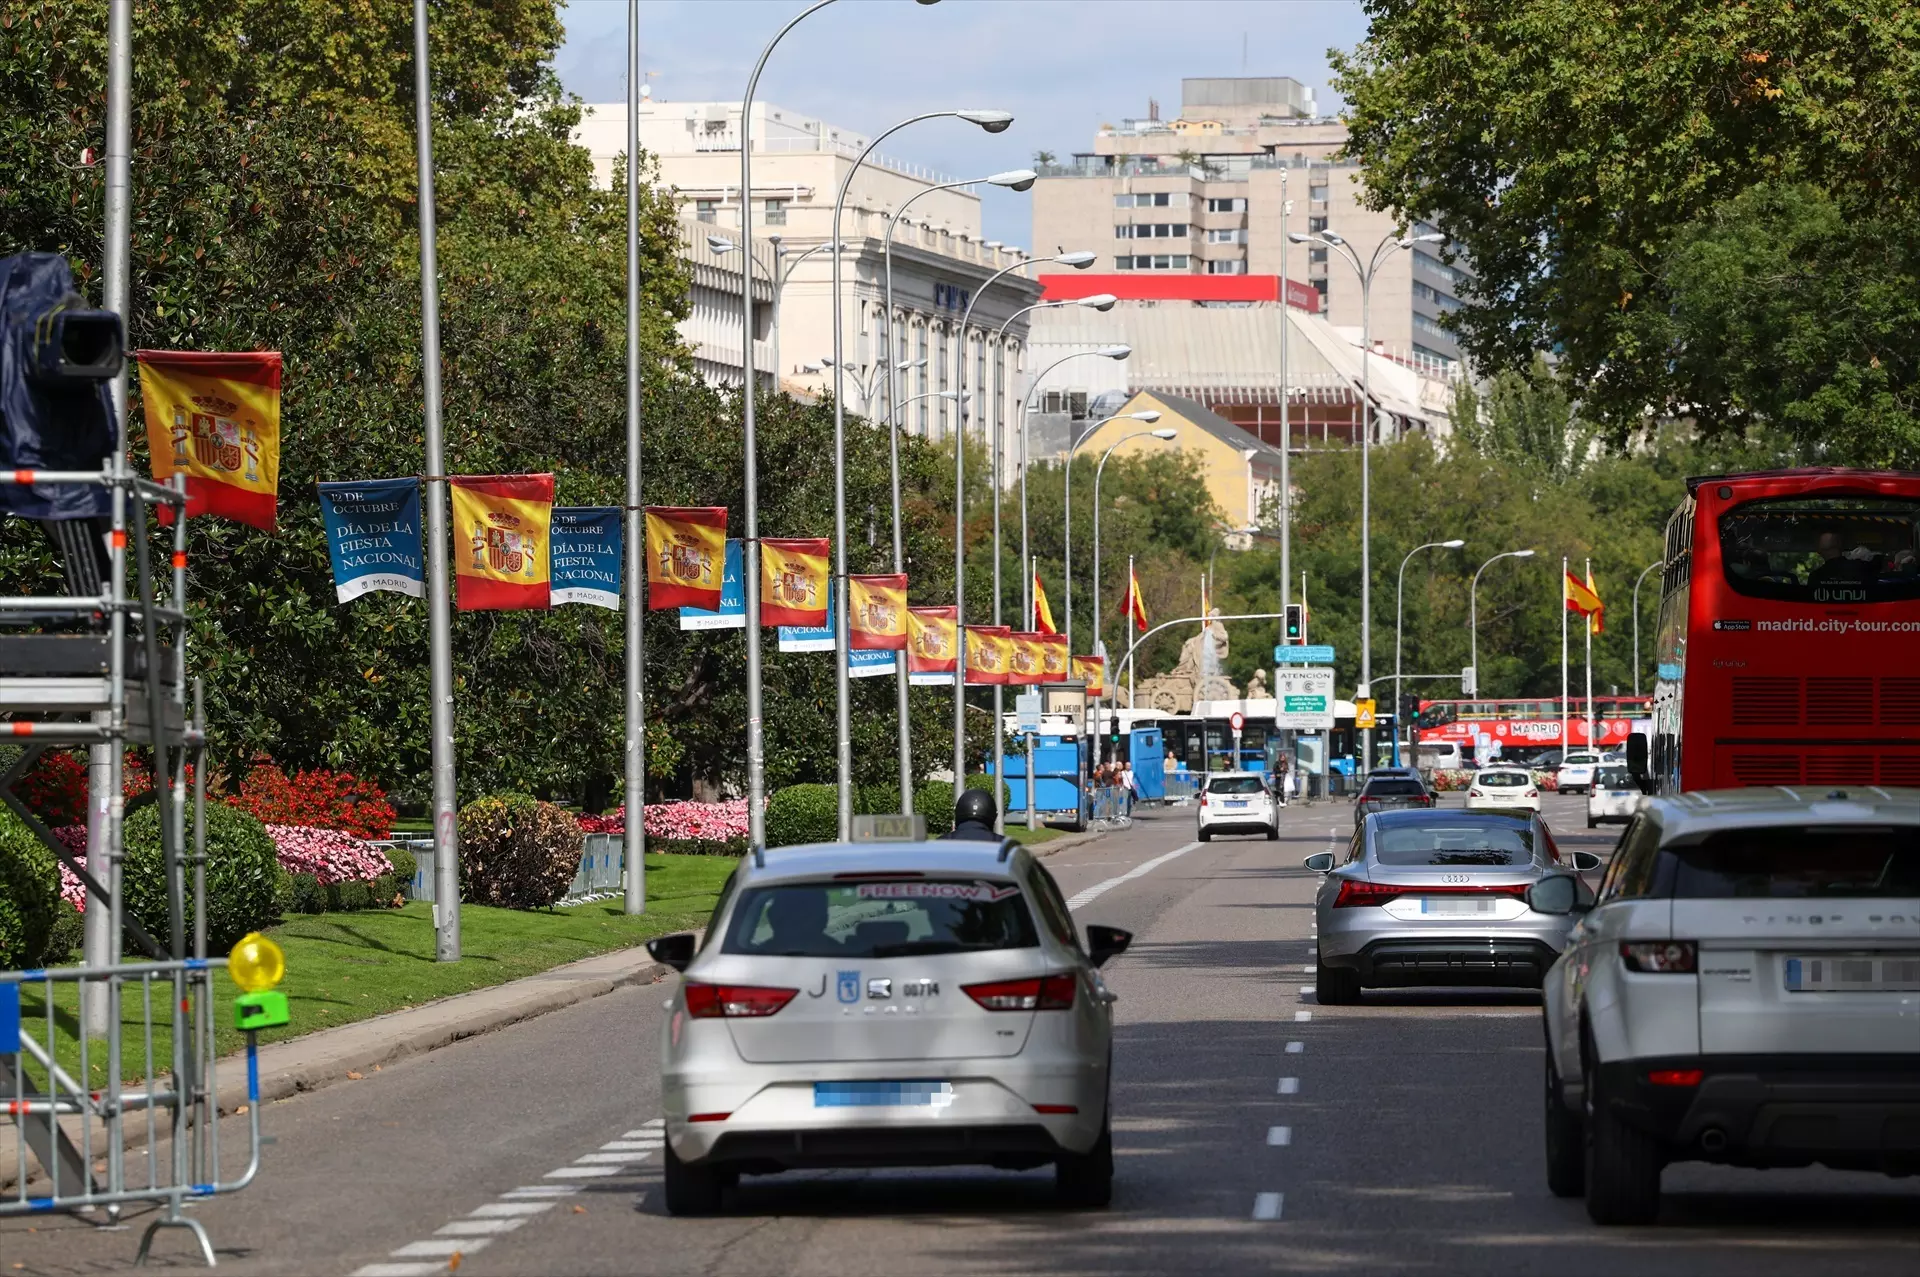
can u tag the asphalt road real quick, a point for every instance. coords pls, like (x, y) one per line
(1254, 1131)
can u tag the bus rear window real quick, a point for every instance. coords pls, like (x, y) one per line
(1826, 549)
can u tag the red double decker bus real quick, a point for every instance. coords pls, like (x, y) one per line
(1517, 726)
(1789, 633)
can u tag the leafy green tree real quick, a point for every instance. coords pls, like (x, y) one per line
(1524, 417)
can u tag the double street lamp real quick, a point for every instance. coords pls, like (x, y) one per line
(1473, 614)
(1399, 614)
(1149, 416)
(1165, 435)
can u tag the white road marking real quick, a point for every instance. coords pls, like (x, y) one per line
(478, 1227)
(1277, 1137)
(416, 1269)
(1289, 1085)
(1301, 1017)
(645, 1133)
(1295, 1048)
(631, 1146)
(1267, 1205)
(1306, 988)
(1088, 895)
(510, 1210)
(443, 1247)
(615, 1159)
(541, 1190)
(1310, 968)
(582, 1172)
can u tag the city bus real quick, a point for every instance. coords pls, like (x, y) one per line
(1789, 624)
(1451, 729)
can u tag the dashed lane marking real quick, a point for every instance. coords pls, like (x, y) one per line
(1301, 1017)
(582, 1172)
(1088, 895)
(478, 1227)
(1295, 1048)
(1279, 1136)
(1267, 1205)
(442, 1247)
(416, 1269)
(1289, 1086)
(1306, 989)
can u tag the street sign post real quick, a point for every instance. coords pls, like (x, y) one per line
(1303, 700)
(1027, 707)
(1469, 681)
(1303, 654)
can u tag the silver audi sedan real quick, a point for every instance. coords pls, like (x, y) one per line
(1438, 897)
(888, 1004)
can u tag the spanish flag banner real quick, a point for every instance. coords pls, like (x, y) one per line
(1092, 670)
(877, 612)
(1135, 609)
(1042, 612)
(1599, 618)
(216, 419)
(686, 556)
(1582, 598)
(989, 653)
(1026, 663)
(793, 580)
(933, 641)
(1055, 658)
(502, 560)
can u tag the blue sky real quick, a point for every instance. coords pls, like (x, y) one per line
(1063, 67)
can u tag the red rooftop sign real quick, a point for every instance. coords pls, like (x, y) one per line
(1153, 286)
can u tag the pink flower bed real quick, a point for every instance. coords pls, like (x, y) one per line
(74, 839)
(327, 854)
(714, 822)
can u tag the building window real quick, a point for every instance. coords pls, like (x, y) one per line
(1144, 199)
(1433, 296)
(1123, 263)
(1430, 326)
(1430, 353)
(1158, 261)
(1317, 255)
(1315, 224)
(706, 210)
(776, 213)
(1237, 204)
(1320, 286)
(1153, 230)
(1077, 405)
(1317, 191)
(1438, 269)
(1234, 235)
(1227, 268)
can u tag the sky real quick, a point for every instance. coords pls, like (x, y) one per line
(1063, 67)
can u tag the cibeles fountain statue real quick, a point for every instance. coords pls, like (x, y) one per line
(1197, 675)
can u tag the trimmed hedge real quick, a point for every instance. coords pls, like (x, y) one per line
(517, 852)
(801, 814)
(931, 798)
(243, 876)
(29, 895)
(405, 864)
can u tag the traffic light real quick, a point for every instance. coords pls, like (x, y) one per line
(1116, 727)
(1296, 623)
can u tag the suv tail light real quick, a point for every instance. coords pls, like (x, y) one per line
(733, 1001)
(1037, 993)
(1362, 894)
(1661, 957)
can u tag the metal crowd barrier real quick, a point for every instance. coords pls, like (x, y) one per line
(1182, 786)
(159, 1137)
(1112, 807)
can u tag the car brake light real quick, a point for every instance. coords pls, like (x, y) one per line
(1533, 793)
(1037, 993)
(1662, 957)
(1676, 1077)
(1362, 894)
(734, 1001)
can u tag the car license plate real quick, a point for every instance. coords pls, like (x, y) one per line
(1430, 904)
(1233, 804)
(835, 1095)
(1854, 973)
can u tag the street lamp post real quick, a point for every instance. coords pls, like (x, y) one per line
(1366, 275)
(1149, 415)
(1166, 434)
(1473, 612)
(1657, 563)
(780, 277)
(1399, 613)
(1116, 352)
(993, 122)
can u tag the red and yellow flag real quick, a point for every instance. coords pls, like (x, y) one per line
(1055, 658)
(1042, 612)
(877, 612)
(216, 418)
(1582, 598)
(793, 580)
(1092, 670)
(989, 653)
(1135, 608)
(502, 558)
(686, 556)
(933, 640)
(1028, 663)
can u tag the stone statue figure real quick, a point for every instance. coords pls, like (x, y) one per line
(1196, 676)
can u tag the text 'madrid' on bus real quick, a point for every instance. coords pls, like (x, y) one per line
(1520, 725)
(1789, 633)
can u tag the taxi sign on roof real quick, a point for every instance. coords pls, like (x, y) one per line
(890, 828)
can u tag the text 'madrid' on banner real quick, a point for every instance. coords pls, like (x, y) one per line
(933, 645)
(500, 541)
(1092, 670)
(587, 554)
(793, 581)
(686, 556)
(732, 612)
(373, 536)
(877, 612)
(989, 653)
(216, 419)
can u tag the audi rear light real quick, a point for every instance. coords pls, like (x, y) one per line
(734, 1001)
(1661, 957)
(1037, 993)
(1360, 895)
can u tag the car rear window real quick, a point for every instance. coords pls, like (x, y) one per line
(1800, 862)
(1504, 780)
(1464, 843)
(880, 919)
(1580, 760)
(1235, 785)
(1393, 789)
(1613, 778)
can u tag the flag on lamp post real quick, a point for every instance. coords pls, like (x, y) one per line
(1135, 609)
(1093, 671)
(1582, 598)
(793, 581)
(502, 558)
(877, 612)
(1042, 611)
(215, 417)
(686, 556)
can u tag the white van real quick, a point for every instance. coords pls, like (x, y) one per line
(1444, 755)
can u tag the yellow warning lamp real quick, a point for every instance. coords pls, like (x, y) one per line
(256, 965)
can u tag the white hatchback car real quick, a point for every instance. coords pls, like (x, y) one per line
(887, 1004)
(1612, 798)
(1498, 788)
(1237, 803)
(1576, 771)
(1745, 989)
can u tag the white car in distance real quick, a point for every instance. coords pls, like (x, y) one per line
(1576, 771)
(1237, 803)
(1612, 798)
(1503, 788)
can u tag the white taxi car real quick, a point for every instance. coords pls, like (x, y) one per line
(1576, 771)
(888, 1004)
(1612, 798)
(1237, 803)
(1503, 788)
(1741, 991)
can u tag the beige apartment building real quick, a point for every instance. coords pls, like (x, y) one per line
(1206, 193)
(940, 258)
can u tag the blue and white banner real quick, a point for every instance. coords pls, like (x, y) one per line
(586, 555)
(733, 598)
(373, 536)
(814, 638)
(864, 663)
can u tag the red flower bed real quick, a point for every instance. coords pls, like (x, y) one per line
(316, 799)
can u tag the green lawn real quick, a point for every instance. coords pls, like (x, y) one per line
(1028, 837)
(343, 967)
